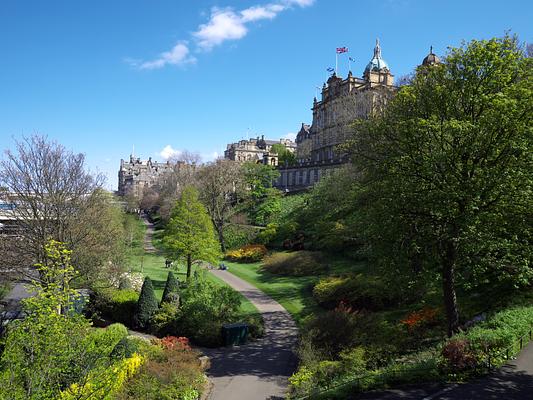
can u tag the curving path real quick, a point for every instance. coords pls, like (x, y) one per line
(259, 369)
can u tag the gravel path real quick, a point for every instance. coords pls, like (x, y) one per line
(259, 369)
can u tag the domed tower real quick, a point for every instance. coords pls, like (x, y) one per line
(377, 71)
(431, 58)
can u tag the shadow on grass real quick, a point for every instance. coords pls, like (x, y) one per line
(158, 285)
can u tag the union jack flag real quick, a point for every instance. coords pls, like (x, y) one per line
(342, 50)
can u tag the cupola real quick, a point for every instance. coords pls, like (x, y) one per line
(431, 58)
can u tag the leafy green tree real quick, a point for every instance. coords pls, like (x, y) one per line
(446, 171)
(171, 291)
(261, 199)
(189, 233)
(218, 188)
(147, 304)
(285, 156)
(53, 346)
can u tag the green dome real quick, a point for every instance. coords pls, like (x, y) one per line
(377, 63)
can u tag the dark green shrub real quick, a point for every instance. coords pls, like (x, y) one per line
(298, 263)
(147, 305)
(333, 331)
(359, 291)
(125, 348)
(236, 236)
(256, 325)
(115, 305)
(172, 289)
(165, 320)
(205, 308)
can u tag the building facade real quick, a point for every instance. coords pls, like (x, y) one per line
(136, 175)
(342, 102)
(257, 150)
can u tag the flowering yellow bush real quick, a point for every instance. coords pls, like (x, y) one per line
(248, 253)
(103, 384)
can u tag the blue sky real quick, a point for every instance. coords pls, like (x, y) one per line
(102, 76)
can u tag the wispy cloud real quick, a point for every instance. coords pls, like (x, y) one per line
(228, 24)
(168, 152)
(178, 55)
(224, 24)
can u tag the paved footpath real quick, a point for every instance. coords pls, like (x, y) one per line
(259, 369)
(148, 245)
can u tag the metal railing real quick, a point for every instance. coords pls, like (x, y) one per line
(510, 351)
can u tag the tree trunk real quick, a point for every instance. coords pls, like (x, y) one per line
(189, 266)
(220, 232)
(448, 288)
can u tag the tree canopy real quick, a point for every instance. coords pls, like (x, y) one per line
(189, 234)
(446, 169)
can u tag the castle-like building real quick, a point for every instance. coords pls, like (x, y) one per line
(257, 150)
(317, 145)
(342, 101)
(136, 175)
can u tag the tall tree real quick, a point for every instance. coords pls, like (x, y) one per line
(219, 182)
(51, 189)
(261, 199)
(189, 234)
(446, 170)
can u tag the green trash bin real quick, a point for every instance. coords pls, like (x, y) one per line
(235, 334)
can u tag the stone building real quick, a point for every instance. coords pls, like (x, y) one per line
(135, 175)
(342, 102)
(257, 149)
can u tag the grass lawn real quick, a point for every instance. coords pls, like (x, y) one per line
(292, 292)
(153, 266)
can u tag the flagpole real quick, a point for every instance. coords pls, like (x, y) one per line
(349, 64)
(336, 61)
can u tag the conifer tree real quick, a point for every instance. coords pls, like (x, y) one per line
(147, 305)
(171, 292)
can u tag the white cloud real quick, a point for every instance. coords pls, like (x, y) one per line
(301, 3)
(224, 24)
(256, 13)
(291, 136)
(178, 55)
(227, 24)
(168, 152)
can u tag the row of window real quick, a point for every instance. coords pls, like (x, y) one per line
(304, 177)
